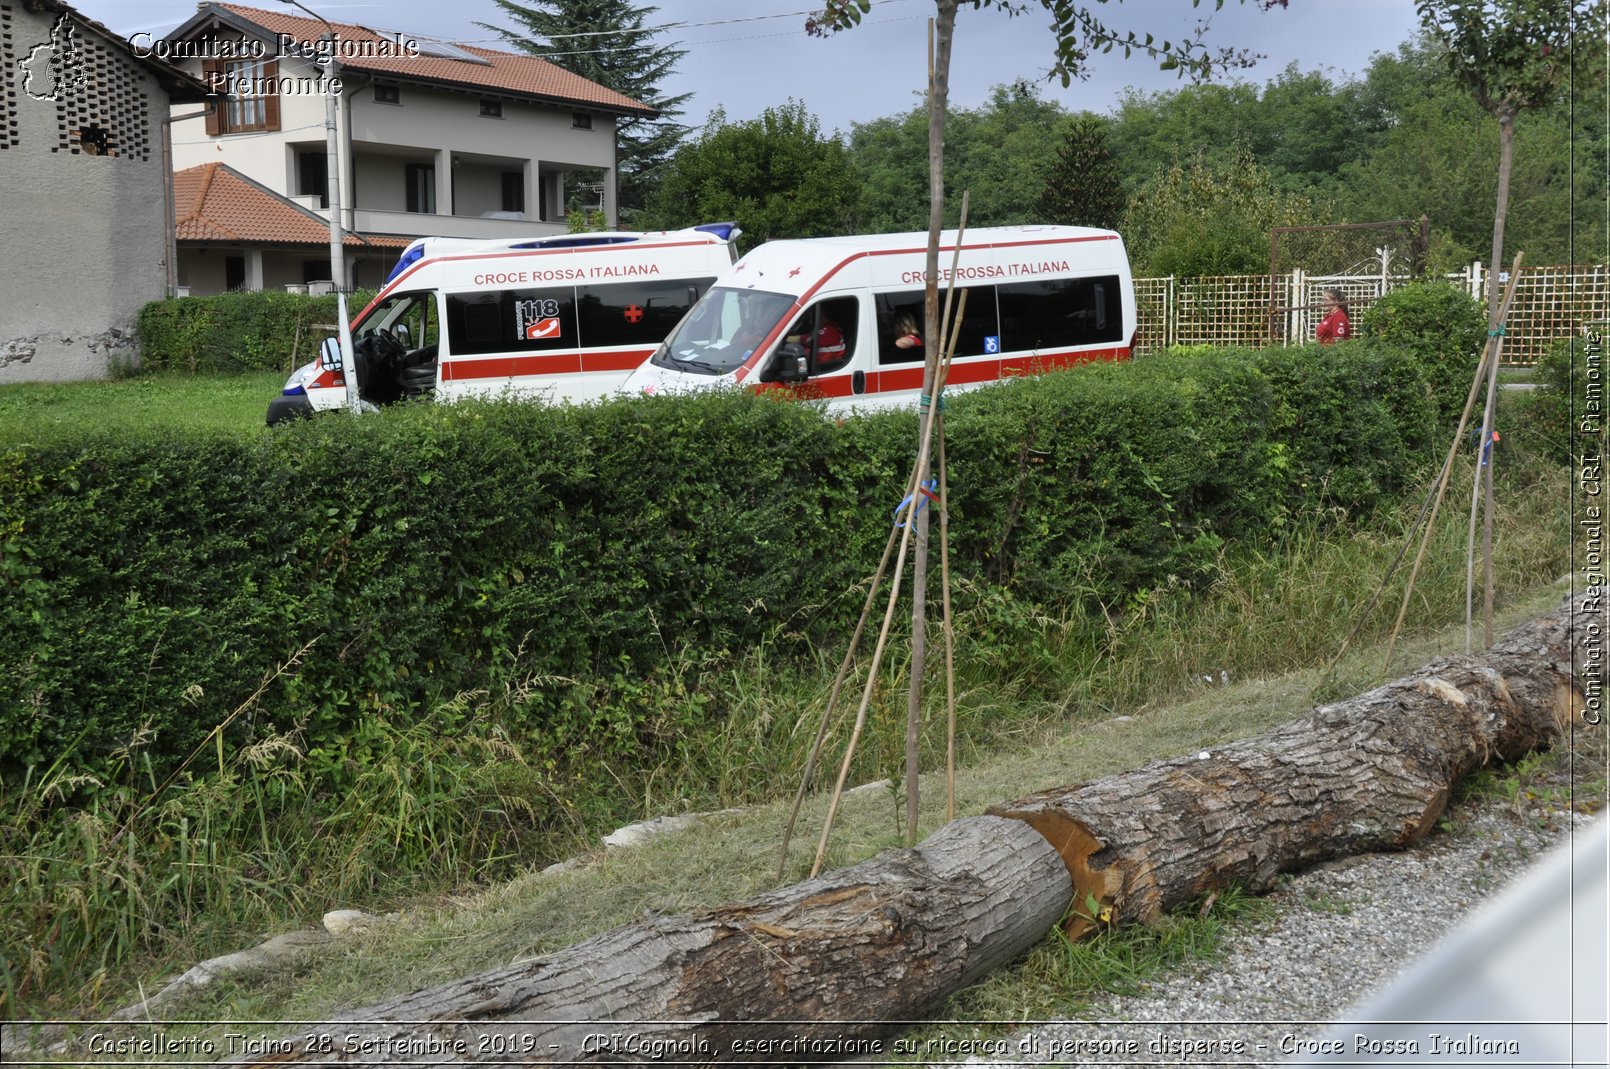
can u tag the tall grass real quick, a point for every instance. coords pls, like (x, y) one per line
(253, 838)
(149, 876)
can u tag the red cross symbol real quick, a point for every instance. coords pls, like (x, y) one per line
(633, 313)
(794, 272)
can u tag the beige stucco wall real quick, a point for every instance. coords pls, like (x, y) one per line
(85, 234)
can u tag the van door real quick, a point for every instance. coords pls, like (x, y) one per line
(828, 333)
(395, 348)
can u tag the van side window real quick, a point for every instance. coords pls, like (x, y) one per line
(980, 333)
(1060, 312)
(828, 331)
(635, 313)
(895, 309)
(503, 321)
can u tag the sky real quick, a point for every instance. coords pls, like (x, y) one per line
(746, 57)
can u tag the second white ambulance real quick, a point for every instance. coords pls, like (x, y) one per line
(840, 318)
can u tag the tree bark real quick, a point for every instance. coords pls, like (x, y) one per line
(1371, 773)
(820, 971)
(813, 970)
(938, 98)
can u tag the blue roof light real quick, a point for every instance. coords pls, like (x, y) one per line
(724, 231)
(580, 241)
(412, 253)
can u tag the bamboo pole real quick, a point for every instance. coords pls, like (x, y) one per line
(1443, 479)
(1483, 475)
(912, 512)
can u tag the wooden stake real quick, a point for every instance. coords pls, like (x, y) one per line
(1495, 334)
(1490, 352)
(911, 513)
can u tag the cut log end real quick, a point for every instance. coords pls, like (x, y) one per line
(1095, 890)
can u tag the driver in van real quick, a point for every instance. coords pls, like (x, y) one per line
(826, 348)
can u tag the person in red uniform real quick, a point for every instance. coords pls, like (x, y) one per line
(1335, 326)
(826, 349)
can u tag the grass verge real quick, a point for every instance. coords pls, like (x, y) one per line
(228, 404)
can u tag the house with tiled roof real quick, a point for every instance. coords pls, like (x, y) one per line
(83, 128)
(259, 235)
(432, 139)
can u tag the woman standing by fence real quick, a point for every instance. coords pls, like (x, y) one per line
(1335, 326)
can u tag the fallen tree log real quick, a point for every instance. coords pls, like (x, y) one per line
(801, 974)
(1368, 774)
(818, 971)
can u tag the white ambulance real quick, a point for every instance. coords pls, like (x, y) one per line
(559, 318)
(841, 318)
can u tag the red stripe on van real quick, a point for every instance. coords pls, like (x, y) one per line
(972, 372)
(471, 369)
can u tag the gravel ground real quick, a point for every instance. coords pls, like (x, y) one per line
(1339, 933)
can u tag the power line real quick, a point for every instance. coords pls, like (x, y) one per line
(649, 31)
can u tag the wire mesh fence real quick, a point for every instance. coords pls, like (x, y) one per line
(1551, 302)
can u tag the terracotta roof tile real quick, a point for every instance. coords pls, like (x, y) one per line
(214, 202)
(503, 72)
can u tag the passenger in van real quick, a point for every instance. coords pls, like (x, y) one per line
(906, 335)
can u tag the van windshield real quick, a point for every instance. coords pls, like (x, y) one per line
(722, 330)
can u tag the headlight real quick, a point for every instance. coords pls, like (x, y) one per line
(299, 379)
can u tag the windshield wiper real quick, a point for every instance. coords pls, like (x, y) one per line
(688, 361)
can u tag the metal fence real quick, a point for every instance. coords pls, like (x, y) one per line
(1551, 302)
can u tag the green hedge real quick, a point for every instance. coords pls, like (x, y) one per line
(232, 332)
(1556, 413)
(158, 580)
(1443, 325)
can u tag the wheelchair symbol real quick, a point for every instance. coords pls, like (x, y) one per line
(992, 343)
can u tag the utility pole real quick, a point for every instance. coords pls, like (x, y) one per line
(332, 157)
(332, 176)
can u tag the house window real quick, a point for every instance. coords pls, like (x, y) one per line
(387, 94)
(250, 90)
(580, 120)
(245, 95)
(313, 176)
(513, 191)
(421, 191)
(492, 109)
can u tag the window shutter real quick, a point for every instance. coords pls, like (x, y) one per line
(212, 73)
(271, 95)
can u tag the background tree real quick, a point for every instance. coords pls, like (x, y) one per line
(1511, 55)
(1000, 153)
(607, 42)
(777, 176)
(1084, 187)
(1426, 145)
(1300, 126)
(1208, 218)
(892, 156)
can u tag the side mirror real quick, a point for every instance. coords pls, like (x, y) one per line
(330, 354)
(791, 363)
